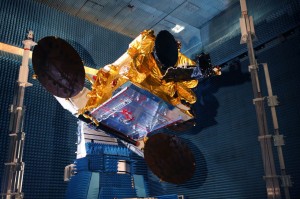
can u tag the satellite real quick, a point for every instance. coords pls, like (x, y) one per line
(148, 88)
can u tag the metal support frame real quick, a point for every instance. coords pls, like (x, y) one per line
(277, 138)
(12, 180)
(271, 178)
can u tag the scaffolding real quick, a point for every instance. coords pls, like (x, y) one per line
(12, 181)
(265, 139)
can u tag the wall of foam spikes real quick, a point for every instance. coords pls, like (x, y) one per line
(50, 130)
(224, 141)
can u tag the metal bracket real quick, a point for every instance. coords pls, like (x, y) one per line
(252, 67)
(278, 140)
(11, 163)
(273, 100)
(23, 136)
(11, 108)
(286, 181)
(19, 108)
(19, 166)
(27, 84)
(261, 137)
(258, 99)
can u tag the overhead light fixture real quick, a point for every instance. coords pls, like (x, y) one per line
(177, 28)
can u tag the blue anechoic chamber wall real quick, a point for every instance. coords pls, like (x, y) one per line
(50, 130)
(50, 135)
(225, 140)
(96, 46)
(221, 36)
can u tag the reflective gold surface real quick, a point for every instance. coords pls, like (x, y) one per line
(143, 71)
(105, 84)
(140, 67)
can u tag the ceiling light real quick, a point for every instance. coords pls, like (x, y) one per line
(177, 28)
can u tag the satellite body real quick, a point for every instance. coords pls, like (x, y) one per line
(149, 87)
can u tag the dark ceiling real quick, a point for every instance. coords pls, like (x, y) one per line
(130, 17)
